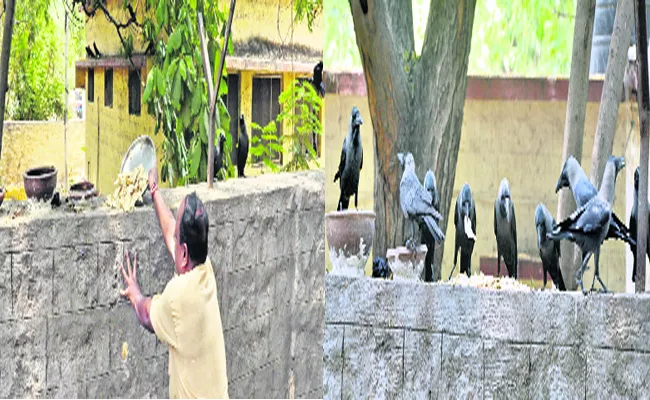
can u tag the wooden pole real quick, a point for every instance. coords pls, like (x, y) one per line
(65, 111)
(644, 106)
(208, 77)
(213, 89)
(10, 5)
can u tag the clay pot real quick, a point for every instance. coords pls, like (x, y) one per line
(349, 236)
(81, 191)
(40, 182)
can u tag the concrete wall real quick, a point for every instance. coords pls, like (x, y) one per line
(28, 144)
(477, 343)
(62, 322)
(512, 128)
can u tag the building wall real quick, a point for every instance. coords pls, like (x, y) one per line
(63, 324)
(273, 20)
(116, 130)
(381, 341)
(520, 139)
(28, 144)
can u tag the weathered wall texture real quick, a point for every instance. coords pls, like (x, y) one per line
(62, 322)
(28, 144)
(520, 139)
(381, 342)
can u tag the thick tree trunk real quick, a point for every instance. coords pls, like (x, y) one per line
(416, 104)
(575, 123)
(610, 99)
(4, 60)
(644, 111)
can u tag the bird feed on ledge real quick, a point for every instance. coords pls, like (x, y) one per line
(488, 281)
(130, 188)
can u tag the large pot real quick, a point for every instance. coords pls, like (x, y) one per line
(40, 182)
(349, 236)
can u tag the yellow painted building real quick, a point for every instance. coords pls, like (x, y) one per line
(270, 50)
(519, 138)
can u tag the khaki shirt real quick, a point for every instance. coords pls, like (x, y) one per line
(186, 316)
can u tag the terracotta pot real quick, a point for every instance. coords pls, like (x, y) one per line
(81, 191)
(349, 236)
(40, 182)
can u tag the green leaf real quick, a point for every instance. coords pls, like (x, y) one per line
(193, 4)
(181, 68)
(176, 92)
(160, 82)
(174, 41)
(197, 101)
(195, 160)
(148, 88)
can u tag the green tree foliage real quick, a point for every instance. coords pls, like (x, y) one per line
(300, 106)
(37, 64)
(308, 10)
(176, 90)
(524, 38)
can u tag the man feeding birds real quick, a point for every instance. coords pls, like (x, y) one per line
(186, 314)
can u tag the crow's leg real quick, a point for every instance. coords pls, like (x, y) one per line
(498, 261)
(596, 271)
(410, 243)
(356, 200)
(544, 269)
(580, 273)
(455, 261)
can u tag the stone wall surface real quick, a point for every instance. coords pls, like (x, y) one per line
(408, 340)
(63, 324)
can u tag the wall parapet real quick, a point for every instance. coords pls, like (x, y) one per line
(405, 339)
(63, 323)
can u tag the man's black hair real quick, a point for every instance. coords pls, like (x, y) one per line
(194, 229)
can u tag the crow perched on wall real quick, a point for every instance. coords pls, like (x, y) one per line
(465, 222)
(426, 237)
(549, 250)
(415, 202)
(634, 222)
(242, 147)
(589, 224)
(351, 162)
(505, 229)
(218, 157)
(574, 177)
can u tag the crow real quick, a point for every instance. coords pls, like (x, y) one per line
(242, 147)
(574, 177)
(415, 202)
(218, 157)
(634, 223)
(380, 269)
(549, 250)
(351, 162)
(465, 222)
(505, 229)
(317, 80)
(427, 237)
(589, 224)
(97, 53)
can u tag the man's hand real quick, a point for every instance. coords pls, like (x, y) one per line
(140, 304)
(132, 291)
(153, 176)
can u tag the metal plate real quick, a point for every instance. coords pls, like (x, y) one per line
(141, 152)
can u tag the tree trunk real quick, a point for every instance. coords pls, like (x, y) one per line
(575, 122)
(610, 99)
(416, 103)
(4, 60)
(644, 110)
